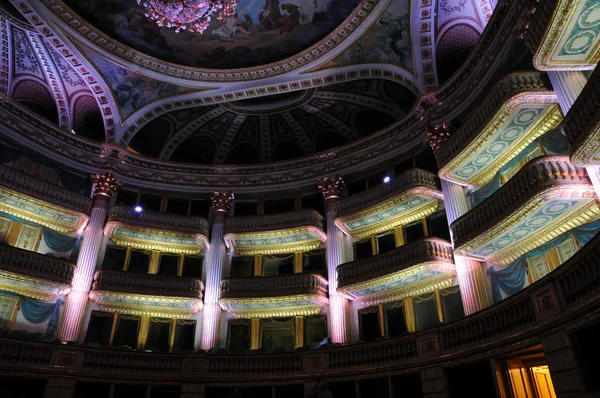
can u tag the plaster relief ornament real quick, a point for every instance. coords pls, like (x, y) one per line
(331, 186)
(449, 9)
(437, 134)
(190, 15)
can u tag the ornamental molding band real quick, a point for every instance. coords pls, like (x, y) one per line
(105, 185)
(221, 201)
(297, 231)
(36, 288)
(546, 198)
(331, 187)
(163, 221)
(59, 13)
(44, 191)
(413, 195)
(146, 305)
(582, 125)
(571, 39)
(437, 134)
(515, 125)
(277, 296)
(147, 238)
(416, 268)
(40, 212)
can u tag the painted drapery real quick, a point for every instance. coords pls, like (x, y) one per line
(36, 311)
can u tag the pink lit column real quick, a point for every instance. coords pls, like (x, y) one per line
(469, 272)
(221, 203)
(105, 185)
(332, 190)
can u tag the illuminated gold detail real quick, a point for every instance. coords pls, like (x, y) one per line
(399, 236)
(279, 248)
(299, 331)
(408, 217)
(562, 18)
(428, 285)
(285, 306)
(583, 214)
(409, 314)
(298, 263)
(156, 306)
(154, 260)
(36, 288)
(381, 319)
(258, 265)
(440, 309)
(255, 334)
(143, 327)
(56, 225)
(548, 121)
(165, 246)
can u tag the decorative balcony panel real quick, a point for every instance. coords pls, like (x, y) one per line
(413, 269)
(582, 124)
(274, 296)
(149, 230)
(151, 295)
(413, 195)
(565, 34)
(40, 211)
(297, 231)
(546, 198)
(34, 275)
(520, 120)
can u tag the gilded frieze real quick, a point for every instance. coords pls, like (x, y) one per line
(36, 288)
(146, 305)
(269, 307)
(278, 241)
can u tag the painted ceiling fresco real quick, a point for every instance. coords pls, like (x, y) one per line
(388, 39)
(263, 31)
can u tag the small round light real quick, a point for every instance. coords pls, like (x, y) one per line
(387, 179)
(138, 209)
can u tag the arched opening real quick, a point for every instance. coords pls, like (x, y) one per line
(150, 140)
(198, 149)
(367, 121)
(287, 149)
(87, 119)
(36, 97)
(328, 139)
(243, 153)
(454, 47)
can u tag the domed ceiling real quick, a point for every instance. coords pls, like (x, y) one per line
(275, 128)
(262, 31)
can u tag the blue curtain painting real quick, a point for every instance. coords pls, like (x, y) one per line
(511, 279)
(36, 311)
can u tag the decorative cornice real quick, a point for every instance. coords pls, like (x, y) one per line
(539, 181)
(271, 222)
(265, 297)
(331, 187)
(437, 134)
(522, 27)
(221, 201)
(43, 191)
(582, 124)
(164, 221)
(105, 185)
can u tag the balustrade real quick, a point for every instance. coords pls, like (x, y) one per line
(125, 282)
(37, 265)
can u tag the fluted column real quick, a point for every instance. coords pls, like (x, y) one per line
(469, 272)
(568, 85)
(221, 203)
(105, 185)
(332, 190)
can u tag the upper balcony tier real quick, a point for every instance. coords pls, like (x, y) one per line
(547, 197)
(143, 294)
(564, 35)
(149, 230)
(582, 124)
(49, 205)
(274, 296)
(416, 268)
(519, 109)
(297, 231)
(413, 195)
(34, 275)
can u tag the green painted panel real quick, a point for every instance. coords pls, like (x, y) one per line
(584, 31)
(398, 283)
(39, 212)
(146, 236)
(283, 240)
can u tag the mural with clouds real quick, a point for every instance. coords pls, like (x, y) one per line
(263, 31)
(387, 40)
(130, 89)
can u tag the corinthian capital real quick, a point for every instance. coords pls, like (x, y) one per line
(437, 134)
(221, 201)
(105, 184)
(331, 186)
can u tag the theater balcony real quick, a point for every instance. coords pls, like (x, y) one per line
(582, 125)
(546, 198)
(42, 203)
(413, 195)
(416, 268)
(276, 296)
(521, 108)
(151, 230)
(292, 232)
(34, 275)
(149, 295)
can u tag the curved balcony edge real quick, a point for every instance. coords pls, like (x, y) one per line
(270, 222)
(273, 286)
(36, 265)
(165, 221)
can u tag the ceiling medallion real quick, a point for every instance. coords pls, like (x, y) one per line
(190, 15)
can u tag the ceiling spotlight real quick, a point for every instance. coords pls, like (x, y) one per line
(138, 209)
(387, 179)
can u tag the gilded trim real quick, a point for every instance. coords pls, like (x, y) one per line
(146, 305)
(36, 288)
(285, 306)
(317, 237)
